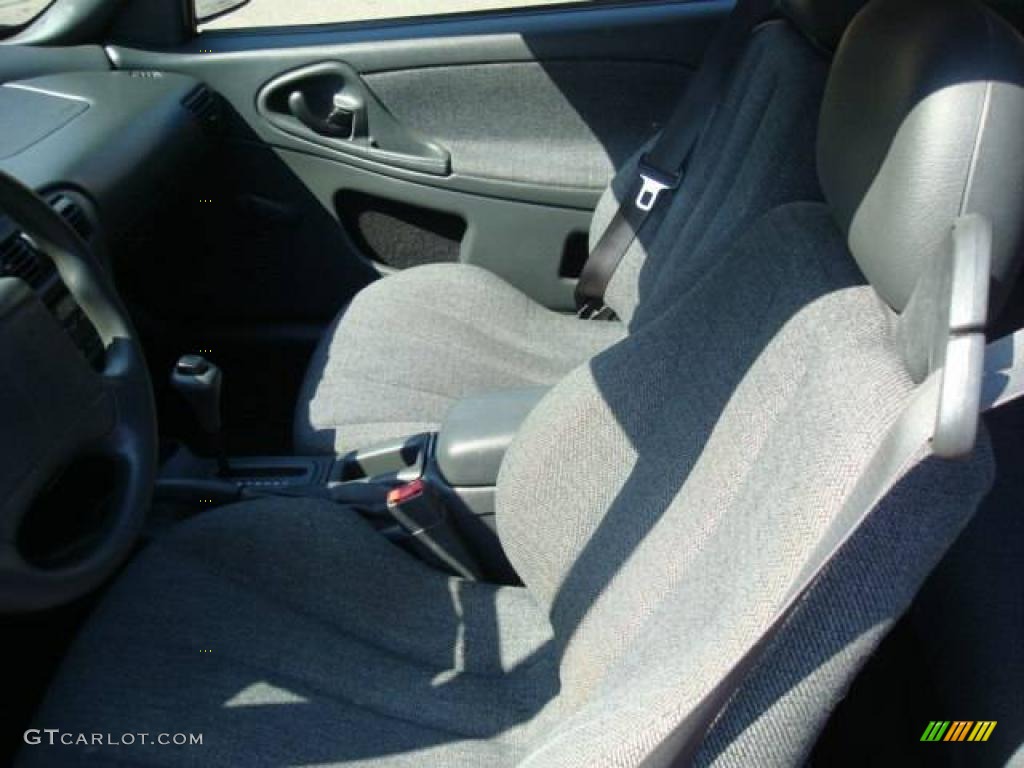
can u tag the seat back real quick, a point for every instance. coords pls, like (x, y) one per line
(663, 500)
(756, 153)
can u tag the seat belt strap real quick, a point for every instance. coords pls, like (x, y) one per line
(661, 169)
(904, 445)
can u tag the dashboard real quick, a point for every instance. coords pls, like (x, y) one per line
(115, 136)
(102, 147)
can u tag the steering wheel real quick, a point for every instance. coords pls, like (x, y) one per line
(57, 411)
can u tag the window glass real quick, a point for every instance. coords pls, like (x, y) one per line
(14, 13)
(272, 13)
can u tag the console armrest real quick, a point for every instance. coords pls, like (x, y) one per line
(478, 430)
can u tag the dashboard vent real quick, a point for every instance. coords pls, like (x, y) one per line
(73, 214)
(205, 105)
(19, 259)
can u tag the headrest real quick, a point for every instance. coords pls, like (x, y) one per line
(823, 21)
(921, 124)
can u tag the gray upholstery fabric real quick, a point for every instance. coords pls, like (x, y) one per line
(554, 122)
(757, 153)
(661, 375)
(327, 645)
(718, 449)
(725, 444)
(409, 346)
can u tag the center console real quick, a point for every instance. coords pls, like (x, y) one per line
(431, 493)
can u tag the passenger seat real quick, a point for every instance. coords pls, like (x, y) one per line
(408, 346)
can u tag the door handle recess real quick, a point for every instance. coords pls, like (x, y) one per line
(341, 121)
(330, 105)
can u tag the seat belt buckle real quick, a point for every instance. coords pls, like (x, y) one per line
(654, 183)
(422, 513)
(415, 507)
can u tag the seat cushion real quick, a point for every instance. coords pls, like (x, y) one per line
(410, 345)
(352, 653)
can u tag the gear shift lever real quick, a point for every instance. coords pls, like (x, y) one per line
(199, 382)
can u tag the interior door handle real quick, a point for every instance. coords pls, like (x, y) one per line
(329, 105)
(341, 121)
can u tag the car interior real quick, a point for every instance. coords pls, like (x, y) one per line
(614, 383)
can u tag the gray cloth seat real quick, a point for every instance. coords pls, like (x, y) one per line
(311, 661)
(409, 345)
(659, 504)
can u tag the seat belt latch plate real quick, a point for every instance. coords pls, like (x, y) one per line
(654, 182)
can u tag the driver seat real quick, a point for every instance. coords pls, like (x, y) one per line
(658, 504)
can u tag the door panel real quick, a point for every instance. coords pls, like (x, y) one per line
(511, 123)
(550, 123)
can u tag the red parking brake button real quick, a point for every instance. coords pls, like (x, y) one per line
(406, 493)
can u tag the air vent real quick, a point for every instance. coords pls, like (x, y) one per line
(19, 259)
(205, 105)
(73, 214)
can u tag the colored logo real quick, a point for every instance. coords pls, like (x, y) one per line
(958, 730)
